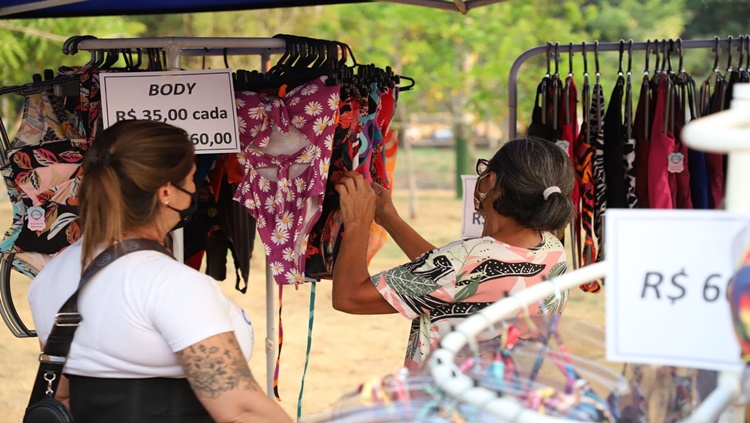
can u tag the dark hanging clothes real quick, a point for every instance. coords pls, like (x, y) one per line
(642, 143)
(699, 191)
(613, 148)
(543, 116)
(236, 233)
(715, 161)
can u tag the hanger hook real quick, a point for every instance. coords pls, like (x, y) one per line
(585, 59)
(557, 57)
(741, 49)
(630, 56)
(621, 51)
(648, 56)
(596, 56)
(570, 59)
(549, 48)
(669, 55)
(716, 51)
(729, 59)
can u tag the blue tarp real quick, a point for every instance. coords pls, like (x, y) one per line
(154, 7)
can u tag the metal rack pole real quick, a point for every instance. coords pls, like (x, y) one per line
(577, 48)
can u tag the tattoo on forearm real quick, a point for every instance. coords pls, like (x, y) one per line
(212, 370)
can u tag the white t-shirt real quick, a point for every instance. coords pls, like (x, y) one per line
(137, 312)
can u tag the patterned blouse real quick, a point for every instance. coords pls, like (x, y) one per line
(446, 285)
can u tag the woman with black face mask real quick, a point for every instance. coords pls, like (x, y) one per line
(159, 341)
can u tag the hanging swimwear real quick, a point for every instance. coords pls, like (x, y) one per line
(662, 146)
(614, 137)
(44, 171)
(322, 245)
(597, 142)
(641, 123)
(371, 135)
(286, 152)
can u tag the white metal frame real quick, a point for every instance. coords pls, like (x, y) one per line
(729, 132)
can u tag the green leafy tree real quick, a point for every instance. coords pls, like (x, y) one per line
(32, 45)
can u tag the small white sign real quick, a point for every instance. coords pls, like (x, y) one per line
(473, 222)
(200, 102)
(666, 287)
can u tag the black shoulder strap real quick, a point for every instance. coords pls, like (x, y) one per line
(53, 357)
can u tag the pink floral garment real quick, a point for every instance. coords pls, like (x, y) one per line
(286, 151)
(446, 285)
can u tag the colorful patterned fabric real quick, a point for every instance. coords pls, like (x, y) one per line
(596, 120)
(445, 285)
(322, 245)
(371, 135)
(738, 294)
(44, 170)
(282, 188)
(584, 171)
(86, 107)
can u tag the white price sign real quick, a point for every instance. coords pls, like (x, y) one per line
(666, 287)
(473, 223)
(200, 102)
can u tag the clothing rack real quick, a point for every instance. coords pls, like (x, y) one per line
(175, 48)
(722, 132)
(590, 48)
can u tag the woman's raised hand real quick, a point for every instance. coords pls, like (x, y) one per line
(357, 199)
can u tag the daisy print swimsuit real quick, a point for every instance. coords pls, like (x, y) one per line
(286, 151)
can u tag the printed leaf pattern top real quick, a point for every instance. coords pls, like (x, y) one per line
(445, 285)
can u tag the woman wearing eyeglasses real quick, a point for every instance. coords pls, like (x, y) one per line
(522, 192)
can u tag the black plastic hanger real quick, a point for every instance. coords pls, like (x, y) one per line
(555, 87)
(566, 93)
(729, 58)
(597, 86)
(586, 88)
(629, 93)
(645, 86)
(544, 83)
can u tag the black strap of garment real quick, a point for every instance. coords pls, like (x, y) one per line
(52, 359)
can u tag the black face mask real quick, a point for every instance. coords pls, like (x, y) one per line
(187, 213)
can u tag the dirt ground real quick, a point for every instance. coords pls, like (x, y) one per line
(346, 350)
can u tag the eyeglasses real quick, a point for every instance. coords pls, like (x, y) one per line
(482, 165)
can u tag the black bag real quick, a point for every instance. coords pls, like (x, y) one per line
(48, 410)
(43, 407)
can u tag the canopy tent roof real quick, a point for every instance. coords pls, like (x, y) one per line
(11, 9)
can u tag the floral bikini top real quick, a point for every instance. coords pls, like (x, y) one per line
(286, 147)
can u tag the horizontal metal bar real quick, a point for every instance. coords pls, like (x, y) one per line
(230, 51)
(182, 42)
